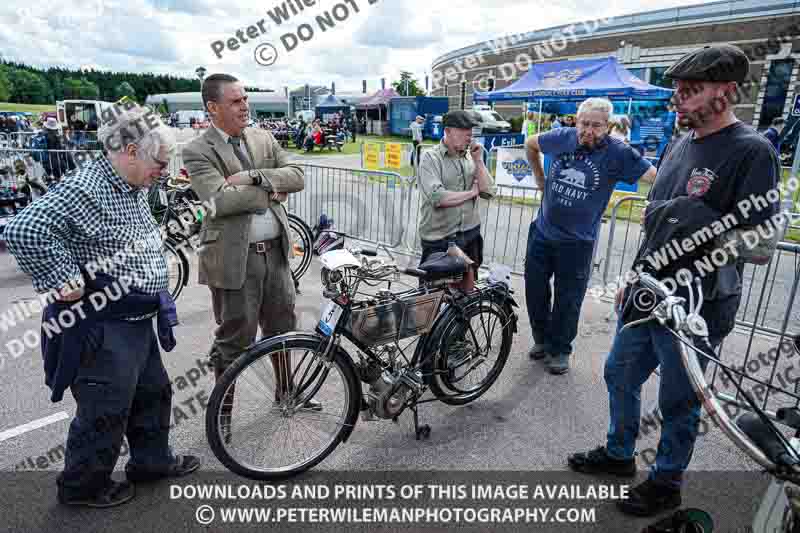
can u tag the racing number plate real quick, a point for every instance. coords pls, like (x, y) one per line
(330, 317)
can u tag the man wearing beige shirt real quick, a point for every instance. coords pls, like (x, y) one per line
(244, 251)
(451, 178)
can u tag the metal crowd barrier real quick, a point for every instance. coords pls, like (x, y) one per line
(45, 163)
(367, 205)
(617, 259)
(176, 161)
(761, 345)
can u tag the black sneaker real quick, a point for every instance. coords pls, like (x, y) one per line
(597, 461)
(115, 493)
(182, 466)
(650, 498)
(538, 352)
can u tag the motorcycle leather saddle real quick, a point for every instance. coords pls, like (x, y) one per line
(441, 265)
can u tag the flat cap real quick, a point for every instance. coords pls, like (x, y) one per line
(718, 63)
(465, 120)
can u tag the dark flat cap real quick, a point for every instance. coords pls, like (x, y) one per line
(719, 63)
(465, 120)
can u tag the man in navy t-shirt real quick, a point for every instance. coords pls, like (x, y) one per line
(586, 166)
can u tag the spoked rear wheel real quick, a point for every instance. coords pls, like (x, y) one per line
(177, 267)
(471, 353)
(280, 408)
(301, 242)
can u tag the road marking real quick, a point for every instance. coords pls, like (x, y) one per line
(30, 426)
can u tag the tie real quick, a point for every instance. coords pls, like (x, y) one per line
(236, 142)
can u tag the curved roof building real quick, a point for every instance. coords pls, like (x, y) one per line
(646, 44)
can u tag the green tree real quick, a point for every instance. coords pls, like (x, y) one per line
(28, 87)
(124, 89)
(89, 90)
(27, 84)
(407, 85)
(72, 89)
(5, 86)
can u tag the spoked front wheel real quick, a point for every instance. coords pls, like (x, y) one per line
(281, 408)
(472, 351)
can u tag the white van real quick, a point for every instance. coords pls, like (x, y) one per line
(492, 122)
(87, 114)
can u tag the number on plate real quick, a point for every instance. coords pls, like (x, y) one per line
(330, 317)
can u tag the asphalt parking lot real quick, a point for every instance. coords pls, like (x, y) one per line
(525, 425)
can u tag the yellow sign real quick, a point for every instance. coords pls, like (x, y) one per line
(372, 156)
(394, 155)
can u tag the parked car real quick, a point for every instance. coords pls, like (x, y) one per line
(492, 122)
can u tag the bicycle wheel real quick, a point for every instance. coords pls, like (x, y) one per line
(301, 241)
(471, 352)
(177, 267)
(264, 420)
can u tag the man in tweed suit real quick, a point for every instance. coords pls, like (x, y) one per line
(245, 246)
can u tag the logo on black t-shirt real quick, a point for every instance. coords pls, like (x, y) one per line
(700, 182)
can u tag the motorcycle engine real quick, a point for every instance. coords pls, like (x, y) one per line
(388, 391)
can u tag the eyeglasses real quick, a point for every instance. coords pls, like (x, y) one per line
(593, 125)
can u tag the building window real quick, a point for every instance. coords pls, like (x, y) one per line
(657, 77)
(775, 92)
(640, 73)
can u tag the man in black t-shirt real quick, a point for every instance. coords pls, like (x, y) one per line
(734, 171)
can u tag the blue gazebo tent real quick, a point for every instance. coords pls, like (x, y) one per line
(565, 83)
(330, 106)
(574, 80)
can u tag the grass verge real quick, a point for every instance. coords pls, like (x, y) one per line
(30, 108)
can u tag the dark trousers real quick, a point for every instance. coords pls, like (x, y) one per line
(470, 242)
(415, 153)
(554, 317)
(122, 388)
(634, 356)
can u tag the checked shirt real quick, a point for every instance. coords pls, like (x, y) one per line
(91, 219)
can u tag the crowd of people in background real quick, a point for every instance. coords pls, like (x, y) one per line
(15, 124)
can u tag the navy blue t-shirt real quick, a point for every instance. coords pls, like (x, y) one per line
(580, 182)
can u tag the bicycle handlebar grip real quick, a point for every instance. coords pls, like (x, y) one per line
(654, 285)
(369, 252)
(415, 272)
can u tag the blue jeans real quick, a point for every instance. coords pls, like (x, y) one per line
(635, 354)
(554, 318)
(122, 388)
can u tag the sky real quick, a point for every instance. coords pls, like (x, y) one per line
(367, 40)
